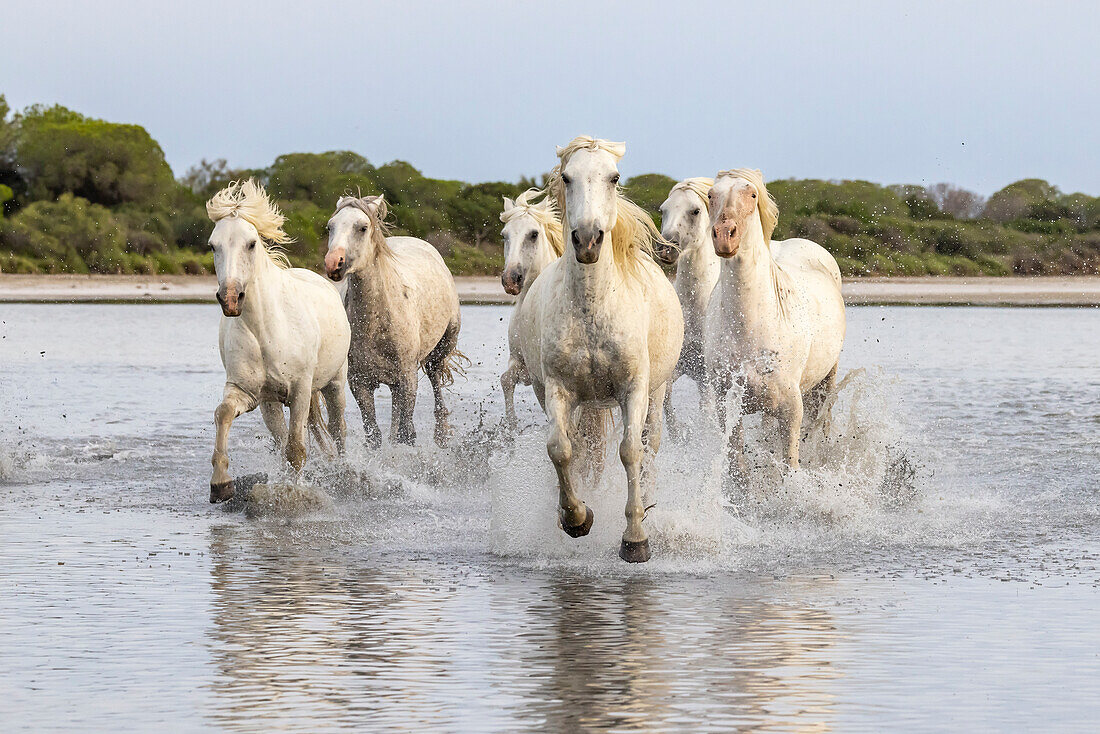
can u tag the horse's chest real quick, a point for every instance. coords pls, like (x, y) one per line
(591, 363)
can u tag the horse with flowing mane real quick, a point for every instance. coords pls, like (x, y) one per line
(285, 344)
(608, 331)
(775, 322)
(685, 228)
(532, 240)
(403, 308)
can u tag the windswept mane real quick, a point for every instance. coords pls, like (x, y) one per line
(766, 206)
(249, 201)
(376, 210)
(635, 233)
(700, 186)
(543, 212)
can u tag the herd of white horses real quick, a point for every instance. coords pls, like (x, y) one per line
(597, 324)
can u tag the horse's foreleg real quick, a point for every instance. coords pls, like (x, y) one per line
(300, 396)
(403, 391)
(275, 421)
(635, 407)
(234, 402)
(336, 403)
(737, 469)
(576, 519)
(363, 392)
(670, 418)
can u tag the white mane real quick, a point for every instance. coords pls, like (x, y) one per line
(249, 201)
(543, 212)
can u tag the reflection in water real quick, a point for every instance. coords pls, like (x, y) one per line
(317, 638)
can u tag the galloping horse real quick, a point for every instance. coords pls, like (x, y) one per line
(283, 344)
(685, 226)
(532, 240)
(775, 322)
(609, 329)
(403, 307)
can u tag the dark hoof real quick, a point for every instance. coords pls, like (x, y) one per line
(221, 491)
(579, 531)
(634, 552)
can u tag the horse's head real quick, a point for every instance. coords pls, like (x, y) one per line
(683, 218)
(355, 234)
(532, 239)
(236, 244)
(589, 183)
(737, 202)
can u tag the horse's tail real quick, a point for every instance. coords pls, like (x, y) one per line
(454, 364)
(318, 428)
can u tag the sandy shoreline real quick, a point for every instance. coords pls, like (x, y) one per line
(1038, 291)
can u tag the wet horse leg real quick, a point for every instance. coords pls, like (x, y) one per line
(275, 421)
(235, 401)
(362, 390)
(300, 396)
(403, 391)
(635, 406)
(576, 519)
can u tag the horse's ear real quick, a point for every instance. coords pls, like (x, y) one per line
(377, 204)
(508, 204)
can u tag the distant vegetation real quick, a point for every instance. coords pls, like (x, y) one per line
(82, 195)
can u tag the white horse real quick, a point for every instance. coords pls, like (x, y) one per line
(283, 344)
(775, 322)
(608, 326)
(532, 240)
(685, 227)
(403, 307)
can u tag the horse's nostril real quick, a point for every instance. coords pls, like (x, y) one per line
(576, 238)
(715, 231)
(599, 237)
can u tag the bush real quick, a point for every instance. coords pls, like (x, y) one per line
(74, 233)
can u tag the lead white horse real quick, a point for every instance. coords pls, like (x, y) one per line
(685, 227)
(775, 322)
(532, 240)
(609, 330)
(283, 344)
(403, 307)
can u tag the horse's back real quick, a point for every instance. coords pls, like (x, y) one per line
(423, 271)
(816, 277)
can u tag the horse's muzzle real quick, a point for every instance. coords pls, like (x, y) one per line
(336, 264)
(231, 301)
(727, 238)
(512, 280)
(587, 242)
(667, 254)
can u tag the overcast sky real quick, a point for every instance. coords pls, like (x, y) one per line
(976, 93)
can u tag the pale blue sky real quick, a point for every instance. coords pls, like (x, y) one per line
(976, 93)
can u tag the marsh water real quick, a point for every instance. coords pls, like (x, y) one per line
(935, 565)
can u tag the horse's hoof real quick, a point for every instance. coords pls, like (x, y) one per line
(632, 552)
(221, 491)
(579, 531)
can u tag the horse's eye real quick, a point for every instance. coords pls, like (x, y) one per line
(754, 194)
(566, 180)
(363, 228)
(695, 212)
(252, 245)
(615, 179)
(533, 235)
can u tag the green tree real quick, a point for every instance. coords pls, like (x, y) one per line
(71, 232)
(61, 151)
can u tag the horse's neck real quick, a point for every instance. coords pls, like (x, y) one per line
(372, 291)
(752, 283)
(533, 272)
(263, 305)
(598, 281)
(698, 264)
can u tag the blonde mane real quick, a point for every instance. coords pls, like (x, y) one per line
(700, 186)
(376, 209)
(634, 234)
(543, 212)
(765, 204)
(249, 201)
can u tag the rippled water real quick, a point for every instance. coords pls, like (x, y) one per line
(935, 566)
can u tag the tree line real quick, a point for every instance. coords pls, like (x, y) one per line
(83, 195)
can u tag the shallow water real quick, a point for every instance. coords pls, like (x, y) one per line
(936, 565)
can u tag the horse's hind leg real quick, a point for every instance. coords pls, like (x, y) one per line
(575, 517)
(403, 391)
(275, 422)
(336, 402)
(300, 397)
(508, 382)
(435, 365)
(234, 402)
(816, 404)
